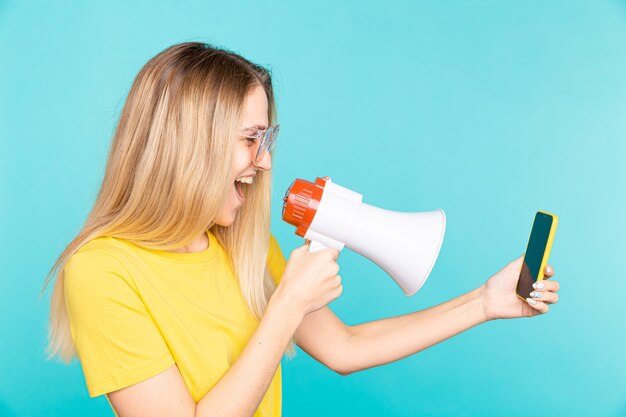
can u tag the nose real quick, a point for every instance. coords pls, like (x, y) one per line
(265, 162)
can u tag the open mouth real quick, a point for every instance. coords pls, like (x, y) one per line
(241, 184)
(239, 189)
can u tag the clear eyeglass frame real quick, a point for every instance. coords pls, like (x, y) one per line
(267, 137)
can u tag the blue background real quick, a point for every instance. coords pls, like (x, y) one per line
(488, 109)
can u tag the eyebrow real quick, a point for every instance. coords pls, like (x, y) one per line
(259, 127)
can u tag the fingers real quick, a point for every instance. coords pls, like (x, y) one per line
(337, 281)
(546, 286)
(545, 292)
(338, 290)
(300, 249)
(545, 296)
(540, 306)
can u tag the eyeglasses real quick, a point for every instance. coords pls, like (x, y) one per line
(267, 137)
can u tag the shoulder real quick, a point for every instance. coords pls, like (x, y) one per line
(96, 264)
(102, 252)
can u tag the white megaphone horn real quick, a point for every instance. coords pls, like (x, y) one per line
(405, 245)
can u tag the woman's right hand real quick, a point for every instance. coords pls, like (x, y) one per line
(310, 280)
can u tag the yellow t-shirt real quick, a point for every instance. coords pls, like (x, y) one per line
(134, 312)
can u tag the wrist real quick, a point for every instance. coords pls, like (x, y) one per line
(475, 301)
(285, 305)
(480, 307)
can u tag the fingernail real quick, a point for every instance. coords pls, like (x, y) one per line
(539, 285)
(531, 301)
(536, 294)
(548, 269)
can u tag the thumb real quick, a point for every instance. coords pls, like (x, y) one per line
(517, 264)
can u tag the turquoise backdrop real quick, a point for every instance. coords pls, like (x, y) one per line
(488, 109)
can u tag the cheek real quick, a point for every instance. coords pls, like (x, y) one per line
(242, 158)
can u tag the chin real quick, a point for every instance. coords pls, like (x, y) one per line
(225, 221)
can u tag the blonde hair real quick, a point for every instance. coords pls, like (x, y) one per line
(168, 173)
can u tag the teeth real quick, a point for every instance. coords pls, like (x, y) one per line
(247, 180)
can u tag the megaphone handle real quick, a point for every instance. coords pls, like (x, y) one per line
(314, 246)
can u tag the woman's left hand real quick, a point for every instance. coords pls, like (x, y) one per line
(500, 300)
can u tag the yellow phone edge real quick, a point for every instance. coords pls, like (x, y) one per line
(546, 253)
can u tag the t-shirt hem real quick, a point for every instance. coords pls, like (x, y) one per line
(118, 382)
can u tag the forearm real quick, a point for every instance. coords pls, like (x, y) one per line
(240, 391)
(388, 340)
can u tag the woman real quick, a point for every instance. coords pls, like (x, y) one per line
(175, 296)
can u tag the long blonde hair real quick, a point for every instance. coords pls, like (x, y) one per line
(168, 173)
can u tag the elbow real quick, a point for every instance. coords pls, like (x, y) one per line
(342, 372)
(342, 369)
(344, 363)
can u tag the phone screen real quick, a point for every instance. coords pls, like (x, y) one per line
(534, 254)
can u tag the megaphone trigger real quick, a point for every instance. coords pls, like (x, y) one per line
(315, 246)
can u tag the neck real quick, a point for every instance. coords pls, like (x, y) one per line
(199, 244)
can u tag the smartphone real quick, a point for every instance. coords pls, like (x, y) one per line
(537, 252)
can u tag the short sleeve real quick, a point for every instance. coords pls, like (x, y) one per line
(276, 260)
(116, 339)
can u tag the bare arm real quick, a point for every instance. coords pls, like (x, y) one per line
(347, 349)
(240, 390)
(326, 338)
(388, 340)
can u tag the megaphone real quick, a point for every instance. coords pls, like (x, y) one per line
(405, 245)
